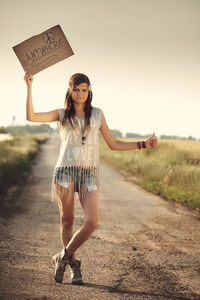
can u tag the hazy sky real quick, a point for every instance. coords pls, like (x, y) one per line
(142, 57)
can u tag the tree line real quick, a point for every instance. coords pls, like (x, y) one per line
(42, 128)
(117, 133)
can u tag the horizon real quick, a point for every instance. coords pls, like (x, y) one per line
(112, 129)
(142, 59)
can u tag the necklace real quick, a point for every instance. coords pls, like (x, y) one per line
(83, 138)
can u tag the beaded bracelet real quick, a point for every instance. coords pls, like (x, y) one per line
(138, 146)
(141, 145)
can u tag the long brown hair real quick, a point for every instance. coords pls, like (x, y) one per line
(69, 115)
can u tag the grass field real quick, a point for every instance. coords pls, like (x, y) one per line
(171, 170)
(5, 136)
(16, 156)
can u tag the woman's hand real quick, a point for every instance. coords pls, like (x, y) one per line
(151, 142)
(28, 77)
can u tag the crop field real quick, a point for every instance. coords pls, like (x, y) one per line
(171, 170)
(16, 155)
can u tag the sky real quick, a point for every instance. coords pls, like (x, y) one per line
(142, 58)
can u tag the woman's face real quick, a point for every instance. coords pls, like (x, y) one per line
(80, 93)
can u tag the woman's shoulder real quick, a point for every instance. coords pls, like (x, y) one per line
(96, 110)
(96, 115)
(61, 113)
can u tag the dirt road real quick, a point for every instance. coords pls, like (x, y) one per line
(143, 248)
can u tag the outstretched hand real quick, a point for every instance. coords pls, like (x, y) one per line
(151, 142)
(28, 77)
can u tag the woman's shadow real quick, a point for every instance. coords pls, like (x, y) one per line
(133, 294)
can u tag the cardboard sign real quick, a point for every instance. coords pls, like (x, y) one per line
(43, 50)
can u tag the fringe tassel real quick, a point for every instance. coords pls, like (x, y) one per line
(84, 179)
(53, 192)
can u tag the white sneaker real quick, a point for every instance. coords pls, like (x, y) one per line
(75, 272)
(61, 261)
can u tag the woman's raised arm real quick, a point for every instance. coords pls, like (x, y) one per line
(50, 116)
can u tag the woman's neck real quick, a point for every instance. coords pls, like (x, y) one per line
(79, 110)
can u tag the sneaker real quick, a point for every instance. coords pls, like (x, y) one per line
(61, 261)
(75, 272)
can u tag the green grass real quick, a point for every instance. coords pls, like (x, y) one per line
(166, 170)
(16, 157)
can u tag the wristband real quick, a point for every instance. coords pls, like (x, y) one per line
(138, 145)
(143, 144)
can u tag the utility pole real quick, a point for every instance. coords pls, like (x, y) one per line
(13, 120)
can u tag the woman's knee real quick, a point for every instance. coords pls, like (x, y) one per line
(91, 224)
(66, 220)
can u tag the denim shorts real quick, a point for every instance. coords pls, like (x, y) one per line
(78, 176)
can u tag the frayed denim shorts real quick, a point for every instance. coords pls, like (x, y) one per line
(78, 176)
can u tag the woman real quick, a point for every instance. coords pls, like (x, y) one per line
(77, 168)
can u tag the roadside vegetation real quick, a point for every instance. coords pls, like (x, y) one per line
(16, 157)
(171, 170)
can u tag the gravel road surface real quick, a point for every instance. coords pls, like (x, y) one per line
(143, 248)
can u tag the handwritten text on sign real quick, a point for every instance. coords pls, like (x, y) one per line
(43, 50)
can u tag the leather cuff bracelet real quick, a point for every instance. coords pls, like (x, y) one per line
(143, 144)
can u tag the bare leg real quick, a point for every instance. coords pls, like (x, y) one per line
(90, 210)
(66, 207)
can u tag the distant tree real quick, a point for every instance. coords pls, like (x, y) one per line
(116, 133)
(176, 137)
(136, 135)
(15, 129)
(191, 138)
(169, 137)
(29, 129)
(2, 129)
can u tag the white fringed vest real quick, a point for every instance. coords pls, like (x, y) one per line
(78, 163)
